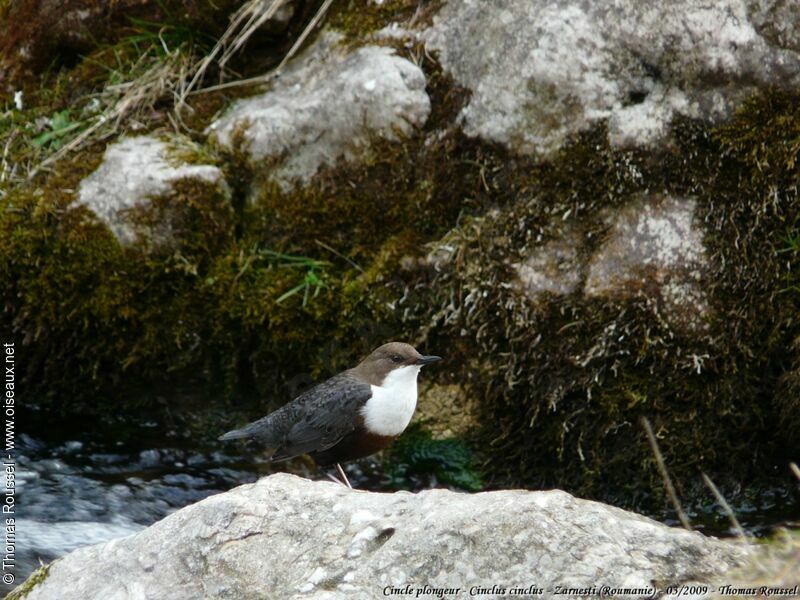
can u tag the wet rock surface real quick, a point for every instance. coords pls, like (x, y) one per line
(77, 493)
(288, 537)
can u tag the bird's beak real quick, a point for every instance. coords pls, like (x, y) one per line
(426, 360)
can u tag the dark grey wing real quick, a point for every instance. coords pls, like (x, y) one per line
(269, 430)
(328, 413)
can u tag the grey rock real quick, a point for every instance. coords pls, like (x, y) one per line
(778, 21)
(655, 247)
(329, 104)
(133, 172)
(542, 70)
(553, 267)
(286, 537)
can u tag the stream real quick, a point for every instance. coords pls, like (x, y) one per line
(79, 485)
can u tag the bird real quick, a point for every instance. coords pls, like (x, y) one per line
(353, 414)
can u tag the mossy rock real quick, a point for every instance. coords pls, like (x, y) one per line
(354, 244)
(447, 410)
(22, 591)
(93, 313)
(563, 383)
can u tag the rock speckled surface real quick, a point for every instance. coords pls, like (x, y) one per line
(286, 537)
(654, 248)
(133, 172)
(554, 267)
(540, 71)
(329, 104)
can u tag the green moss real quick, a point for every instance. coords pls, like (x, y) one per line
(66, 103)
(193, 297)
(398, 194)
(359, 18)
(212, 306)
(564, 382)
(37, 577)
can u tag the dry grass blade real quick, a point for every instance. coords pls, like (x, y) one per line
(313, 23)
(8, 169)
(127, 101)
(252, 26)
(244, 22)
(662, 468)
(795, 469)
(725, 506)
(261, 78)
(335, 252)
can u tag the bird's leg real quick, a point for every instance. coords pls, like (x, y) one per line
(344, 477)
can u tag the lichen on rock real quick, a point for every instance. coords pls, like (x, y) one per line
(543, 71)
(321, 540)
(553, 267)
(654, 247)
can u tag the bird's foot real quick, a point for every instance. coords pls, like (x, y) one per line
(333, 478)
(342, 479)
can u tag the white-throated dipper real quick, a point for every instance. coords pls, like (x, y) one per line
(351, 415)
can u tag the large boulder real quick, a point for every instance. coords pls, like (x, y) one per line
(541, 71)
(329, 104)
(286, 537)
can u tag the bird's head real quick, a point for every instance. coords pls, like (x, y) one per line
(393, 357)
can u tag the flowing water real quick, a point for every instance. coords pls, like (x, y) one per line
(82, 483)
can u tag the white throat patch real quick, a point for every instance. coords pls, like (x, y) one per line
(392, 405)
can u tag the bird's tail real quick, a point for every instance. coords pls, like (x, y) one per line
(262, 430)
(236, 434)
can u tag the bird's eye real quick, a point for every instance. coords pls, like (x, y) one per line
(397, 358)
